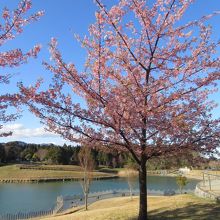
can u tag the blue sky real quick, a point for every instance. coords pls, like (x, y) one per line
(62, 19)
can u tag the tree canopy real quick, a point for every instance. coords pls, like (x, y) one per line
(145, 85)
(12, 24)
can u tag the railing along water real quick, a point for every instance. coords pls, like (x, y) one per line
(209, 187)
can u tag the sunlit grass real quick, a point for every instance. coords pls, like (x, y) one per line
(14, 172)
(174, 207)
(198, 174)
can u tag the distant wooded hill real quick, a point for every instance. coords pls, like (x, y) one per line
(54, 154)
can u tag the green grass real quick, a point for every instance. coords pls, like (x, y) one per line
(12, 172)
(177, 207)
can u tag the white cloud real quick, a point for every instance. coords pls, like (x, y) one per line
(20, 131)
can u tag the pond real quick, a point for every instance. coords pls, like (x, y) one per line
(27, 197)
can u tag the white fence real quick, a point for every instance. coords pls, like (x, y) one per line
(34, 214)
(28, 215)
(209, 187)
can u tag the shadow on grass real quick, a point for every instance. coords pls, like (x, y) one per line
(192, 211)
(107, 170)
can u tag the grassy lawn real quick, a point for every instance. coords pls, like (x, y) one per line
(14, 172)
(11, 172)
(160, 208)
(193, 174)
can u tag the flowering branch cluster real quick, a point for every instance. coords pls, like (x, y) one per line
(11, 25)
(145, 86)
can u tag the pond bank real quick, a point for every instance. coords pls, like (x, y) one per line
(53, 179)
(49, 173)
(17, 174)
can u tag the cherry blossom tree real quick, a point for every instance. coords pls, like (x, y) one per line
(145, 87)
(12, 23)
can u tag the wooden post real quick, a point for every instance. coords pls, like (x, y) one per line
(210, 188)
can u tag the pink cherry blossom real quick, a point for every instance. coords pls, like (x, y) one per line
(12, 24)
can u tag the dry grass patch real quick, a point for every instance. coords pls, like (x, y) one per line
(14, 172)
(124, 173)
(197, 174)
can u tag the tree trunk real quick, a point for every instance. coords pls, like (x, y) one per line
(131, 193)
(86, 201)
(143, 190)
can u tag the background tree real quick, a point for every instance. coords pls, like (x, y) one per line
(28, 153)
(2, 154)
(87, 164)
(189, 159)
(214, 164)
(74, 158)
(145, 86)
(41, 153)
(35, 158)
(181, 182)
(66, 153)
(12, 24)
(55, 155)
(114, 162)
